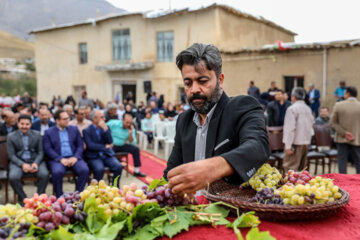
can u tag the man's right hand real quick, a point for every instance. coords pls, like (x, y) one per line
(103, 125)
(26, 167)
(65, 162)
(349, 136)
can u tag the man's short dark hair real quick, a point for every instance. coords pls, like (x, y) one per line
(57, 114)
(24, 116)
(352, 91)
(280, 90)
(127, 114)
(252, 82)
(198, 52)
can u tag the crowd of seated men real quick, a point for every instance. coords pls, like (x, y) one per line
(45, 141)
(37, 148)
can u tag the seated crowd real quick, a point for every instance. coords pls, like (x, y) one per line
(60, 139)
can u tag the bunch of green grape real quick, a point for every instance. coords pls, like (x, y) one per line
(319, 190)
(265, 176)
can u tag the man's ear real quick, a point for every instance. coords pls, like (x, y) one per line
(221, 80)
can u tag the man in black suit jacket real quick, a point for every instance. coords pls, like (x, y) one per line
(99, 144)
(9, 125)
(219, 137)
(276, 109)
(44, 122)
(26, 154)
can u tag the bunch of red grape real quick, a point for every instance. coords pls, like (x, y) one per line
(7, 227)
(52, 212)
(266, 196)
(297, 177)
(78, 207)
(165, 197)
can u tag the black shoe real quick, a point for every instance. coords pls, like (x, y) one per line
(139, 174)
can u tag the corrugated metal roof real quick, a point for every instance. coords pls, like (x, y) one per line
(279, 46)
(125, 67)
(163, 13)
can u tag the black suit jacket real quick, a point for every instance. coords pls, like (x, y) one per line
(3, 129)
(37, 125)
(273, 112)
(95, 145)
(236, 133)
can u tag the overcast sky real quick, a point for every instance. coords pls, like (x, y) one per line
(312, 20)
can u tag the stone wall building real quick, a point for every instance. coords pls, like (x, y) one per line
(127, 52)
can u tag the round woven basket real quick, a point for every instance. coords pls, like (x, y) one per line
(221, 191)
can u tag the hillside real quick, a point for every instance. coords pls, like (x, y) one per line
(19, 17)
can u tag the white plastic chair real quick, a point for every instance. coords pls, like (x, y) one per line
(170, 137)
(142, 137)
(158, 135)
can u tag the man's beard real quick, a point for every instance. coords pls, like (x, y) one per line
(208, 104)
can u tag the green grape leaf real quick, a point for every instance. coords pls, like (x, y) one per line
(121, 216)
(84, 236)
(158, 223)
(144, 213)
(245, 220)
(115, 184)
(145, 233)
(90, 204)
(178, 221)
(35, 230)
(255, 234)
(60, 234)
(212, 208)
(156, 183)
(95, 220)
(110, 230)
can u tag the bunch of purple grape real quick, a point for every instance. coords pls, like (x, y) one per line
(165, 197)
(59, 213)
(266, 196)
(6, 229)
(73, 198)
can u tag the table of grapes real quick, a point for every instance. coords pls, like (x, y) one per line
(153, 212)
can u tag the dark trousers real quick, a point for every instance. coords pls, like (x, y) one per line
(58, 171)
(97, 165)
(149, 136)
(133, 150)
(344, 151)
(16, 173)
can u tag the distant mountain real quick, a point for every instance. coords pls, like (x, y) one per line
(13, 47)
(19, 17)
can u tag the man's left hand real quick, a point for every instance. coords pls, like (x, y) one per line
(72, 161)
(289, 152)
(190, 177)
(34, 167)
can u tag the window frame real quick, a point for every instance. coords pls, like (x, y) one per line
(165, 55)
(81, 60)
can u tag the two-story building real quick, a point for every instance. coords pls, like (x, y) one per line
(136, 51)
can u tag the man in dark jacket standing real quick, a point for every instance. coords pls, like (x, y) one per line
(99, 144)
(276, 109)
(219, 137)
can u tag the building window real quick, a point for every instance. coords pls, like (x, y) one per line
(121, 45)
(165, 46)
(83, 53)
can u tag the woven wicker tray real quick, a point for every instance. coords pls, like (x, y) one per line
(221, 191)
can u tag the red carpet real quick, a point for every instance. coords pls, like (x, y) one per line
(151, 165)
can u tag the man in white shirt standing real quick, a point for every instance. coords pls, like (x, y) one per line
(297, 131)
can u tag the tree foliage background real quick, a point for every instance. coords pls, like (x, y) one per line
(21, 85)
